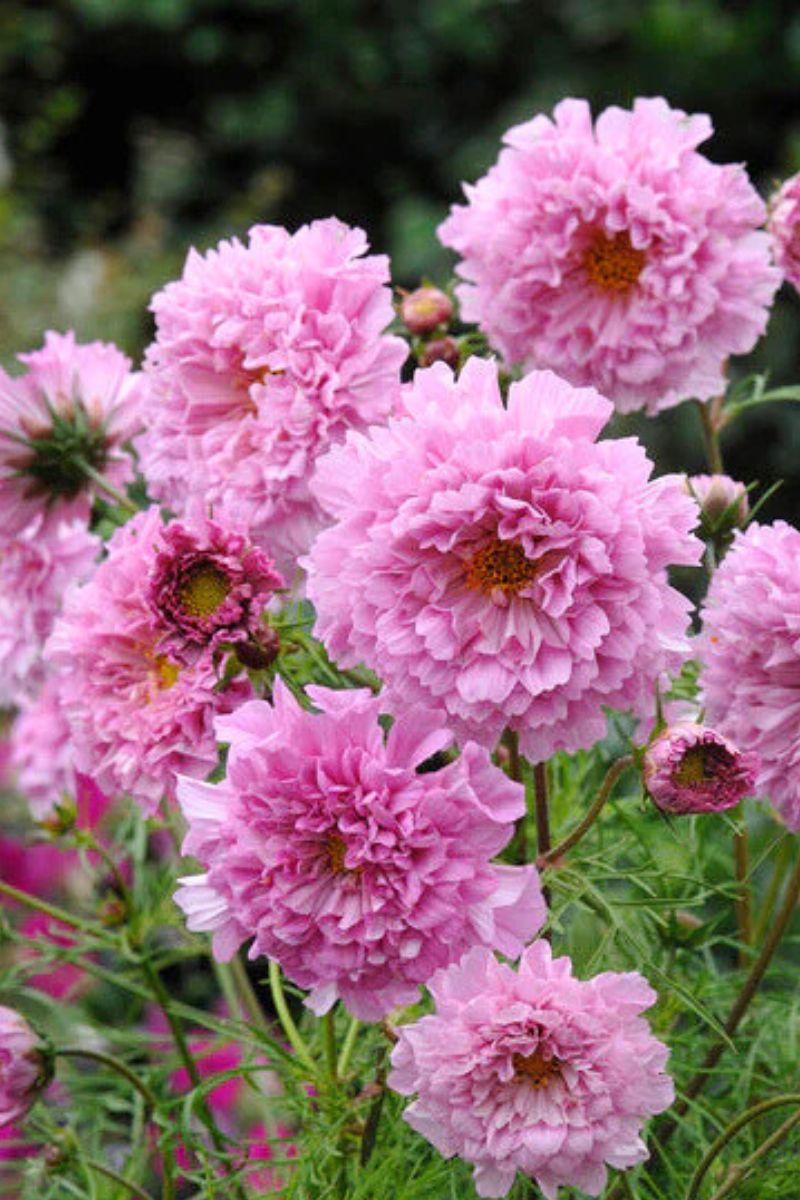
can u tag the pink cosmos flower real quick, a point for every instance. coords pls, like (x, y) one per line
(751, 657)
(690, 768)
(75, 406)
(36, 568)
(533, 1071)
(61, 980)
(501, 564)
(208, 586)
(784, 226)
(356, 873)
(261, 1148)
(35, 868)
(615, 254)
(24, 1070)
(265, 354)
(137, 716)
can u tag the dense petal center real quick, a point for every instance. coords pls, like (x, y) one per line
(536, 1069)
(500, 564)
(702, 764)
(612, 263)
(204, 589)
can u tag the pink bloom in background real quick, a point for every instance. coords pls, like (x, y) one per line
(750, 649)
(36, 567)
(137, 717)
(24, 1070)
(36, 868)
(262, 1148)
(74, 402)
(500, 564)
(615, 254)
(208, 586)
(357, 874)
(265, 354)
(62, 981)
(533, 1070)
(690, 768)
(784, 225)
(43, 760)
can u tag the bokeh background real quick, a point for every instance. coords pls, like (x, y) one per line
(134, 128)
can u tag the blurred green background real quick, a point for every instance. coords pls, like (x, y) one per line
(133, 128)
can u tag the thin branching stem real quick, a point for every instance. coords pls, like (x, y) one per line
(133, 1189)
(730, 1132)
(598, 804)
(285, 1017)
(114, 1064)
(741, 1169)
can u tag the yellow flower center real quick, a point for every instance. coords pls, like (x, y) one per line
(336, 848)
(166, 672)
(613, 263)
(500, 564)
(535, 1069)
(204, 590)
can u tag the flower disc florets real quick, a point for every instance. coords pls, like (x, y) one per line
(501, 564)
(354, 871)
(137, 714)
(615, 253)
(266, 353)
(690, 768)
(533, 1070)
(751, 657)
(62, 422)
(208, 586)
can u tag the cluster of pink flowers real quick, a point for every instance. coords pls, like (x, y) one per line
(615, 254)
(266, 353)
(355, 872)
(499, 562)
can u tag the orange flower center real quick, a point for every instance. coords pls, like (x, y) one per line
(203, 590)
(535, 1069)
(166, 672)
(336, 848)
(701, 764)
(500, 564)
(613, 263)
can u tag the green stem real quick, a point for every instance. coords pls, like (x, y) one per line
(744, 915)
(348, 1046)
(285, 1017)
(783, 860)
(103, 485)
(248, 998)
(87, 839)
(114, 1064)
(510, 740)
(729, 1133)
(132, 1188)
(709, 419)
(612, 775)
(743, 1168)
(58, 914)
(541, 809)
(329, 1027)
(664, 1129)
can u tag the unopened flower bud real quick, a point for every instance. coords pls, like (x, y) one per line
(723, 501)
(25, 1066)
(440, 350)
(260, 651)
(425, 309)
(690, 768)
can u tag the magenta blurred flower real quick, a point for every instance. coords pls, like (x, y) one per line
(36, 568)
(501, 564)
(265, 354)
(784, 226)
(690, 768)
(615, 254)
(750, 649)
(24, 1067)
(137, 716)
(533, 1070)
(355, 872)
(61, 422)
(208, 586)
